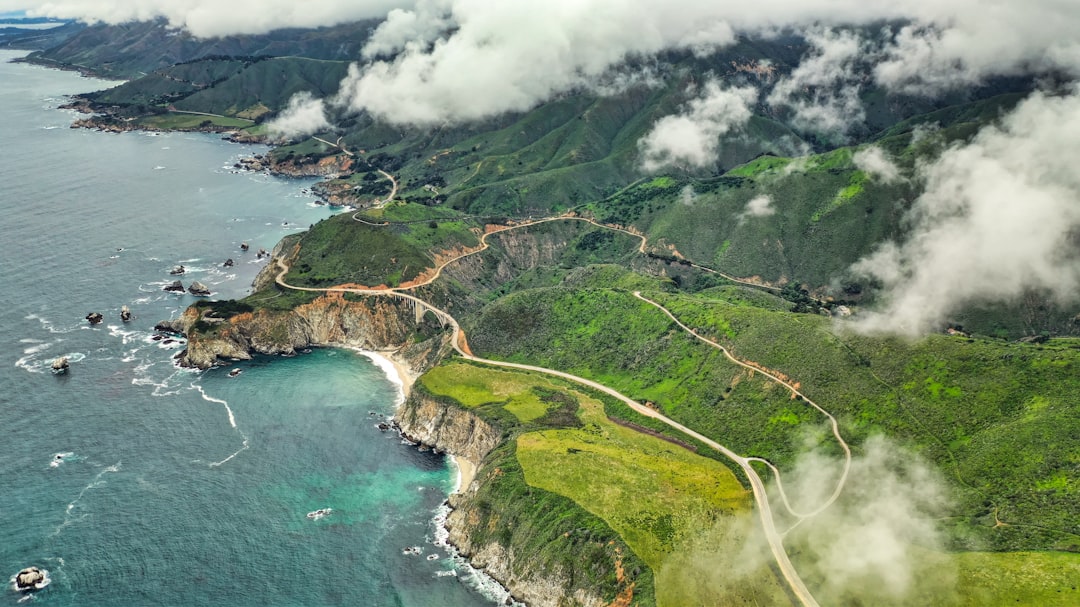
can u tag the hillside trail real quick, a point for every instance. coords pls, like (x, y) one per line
(755, 368)
(378, 203)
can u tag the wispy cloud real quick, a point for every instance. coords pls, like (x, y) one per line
(999, 217)
(691, 138)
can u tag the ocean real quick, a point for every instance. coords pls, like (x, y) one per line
(133, 482)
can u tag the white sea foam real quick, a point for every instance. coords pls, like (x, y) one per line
(41, 347)
(389, 370)
(487, 586)
(70, 513)
(60, 458)
(232, 422)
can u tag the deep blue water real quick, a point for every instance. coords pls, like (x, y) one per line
(176, 487)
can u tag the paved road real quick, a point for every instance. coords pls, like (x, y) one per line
(776, 544)
(832, 420)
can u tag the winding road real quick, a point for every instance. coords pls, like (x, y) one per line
(393, 182)
(772, 535)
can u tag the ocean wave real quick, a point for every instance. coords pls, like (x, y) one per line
(50, 326)
(40, 347)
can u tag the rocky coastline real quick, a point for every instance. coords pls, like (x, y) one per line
(387, 326)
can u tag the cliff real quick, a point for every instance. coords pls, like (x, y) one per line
(501, 541)
(379, 324)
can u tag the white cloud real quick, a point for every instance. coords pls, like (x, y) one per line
(692, 137)
(304, 116)
(211, 18)
(870, 546)
(461, 60)
(823, 91)
(758, 206)
(1000, 216)
(874, 161)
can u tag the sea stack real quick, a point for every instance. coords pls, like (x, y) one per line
(31, 578)
(60, 365)
(199, 289)
(175, 286)
(95, 318)
(125, 313)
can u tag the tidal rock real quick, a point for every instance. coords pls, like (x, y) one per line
(31, 578)
(228, 263)
(60, 365)
(263, 253)
(175, 286)
(95, 317)
(199, 289)
(244, 246)
(178, 270)
(125, 313)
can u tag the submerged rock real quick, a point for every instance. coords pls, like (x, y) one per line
(95, 318)
(199, 289)
(31, 578)
(125, 313)
(175, 286)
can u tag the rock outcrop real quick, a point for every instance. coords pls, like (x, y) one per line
(125, 313)
(31, 578)
(447, 427)
(60, 365)
(373, 323)
(199, 289)
(175, 286)
(95, 318)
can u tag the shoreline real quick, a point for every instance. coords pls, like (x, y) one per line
(403, 377)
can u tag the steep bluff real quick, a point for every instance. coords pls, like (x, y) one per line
(372, 323)
(496, 540)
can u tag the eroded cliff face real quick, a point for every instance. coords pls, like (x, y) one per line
(449, 427)
(382, 324)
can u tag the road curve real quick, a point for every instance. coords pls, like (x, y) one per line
(832, 420)
(775, 540)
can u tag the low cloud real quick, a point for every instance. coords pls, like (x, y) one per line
(434, 62)
(874, 161)
(692, 137)
(823, 91)
(999, 218)
(303, 116)
(212, 18)
(871, 546)
(758, 206)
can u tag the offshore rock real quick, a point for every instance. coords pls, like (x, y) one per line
(199, 289)
(31, 578)
(95, 318)
(178, 270)
(60, 365)
(175, 286)
(125, 313)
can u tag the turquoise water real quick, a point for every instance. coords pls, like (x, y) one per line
(176, 487)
